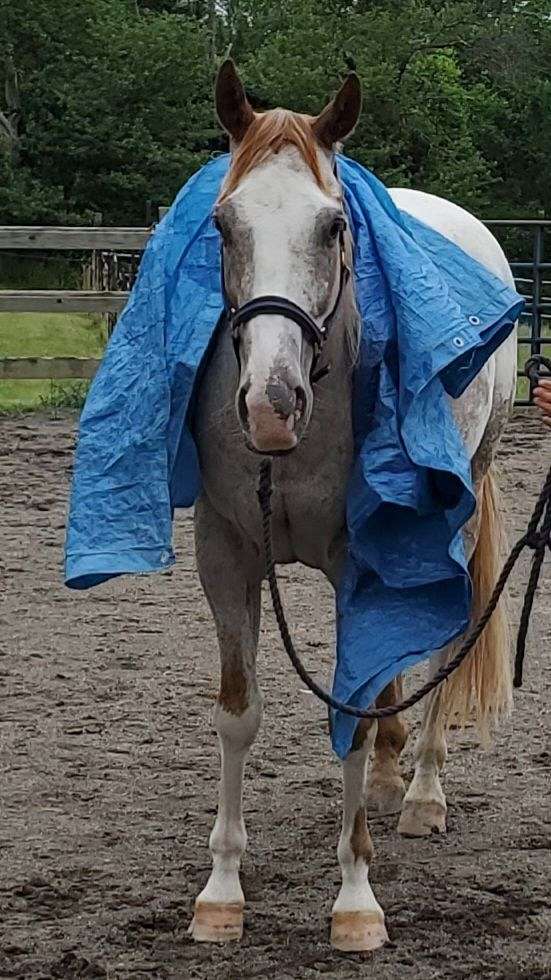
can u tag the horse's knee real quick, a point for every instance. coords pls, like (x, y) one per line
(234, 692)
(239, 706)
(237, 731)
(391, 736)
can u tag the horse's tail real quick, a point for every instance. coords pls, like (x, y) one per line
(481, 689)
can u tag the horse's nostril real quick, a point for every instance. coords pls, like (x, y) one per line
(281, 397)
(242, 410)
(300, 402)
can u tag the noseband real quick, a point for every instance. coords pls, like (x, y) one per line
(315, 333)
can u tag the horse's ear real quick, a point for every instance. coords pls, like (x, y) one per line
(232, 106)
(339, 118)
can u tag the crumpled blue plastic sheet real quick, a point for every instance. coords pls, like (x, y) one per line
(431, 317)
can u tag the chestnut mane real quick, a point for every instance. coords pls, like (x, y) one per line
(266, 135)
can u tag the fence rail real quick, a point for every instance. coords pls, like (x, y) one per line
(47, 368)
(96, 240)
(61, 301)
(99, 239)
(74, 239)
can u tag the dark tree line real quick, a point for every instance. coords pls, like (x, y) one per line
(105, 104)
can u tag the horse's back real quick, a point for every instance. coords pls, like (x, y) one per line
(484, 407)
(457, 224)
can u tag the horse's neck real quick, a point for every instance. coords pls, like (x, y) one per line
(328, 443)
(339, 350)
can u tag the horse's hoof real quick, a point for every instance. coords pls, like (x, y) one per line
(385, 797)
(217, 922)
(357, 932)
(419, 819)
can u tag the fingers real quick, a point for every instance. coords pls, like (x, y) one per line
(542, 397)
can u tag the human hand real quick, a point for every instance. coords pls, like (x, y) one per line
(542, 398)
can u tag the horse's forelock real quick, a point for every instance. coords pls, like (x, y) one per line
(267, 134)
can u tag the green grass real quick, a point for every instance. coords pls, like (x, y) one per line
(76, 335)
(46, 335)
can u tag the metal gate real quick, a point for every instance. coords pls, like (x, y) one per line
(533, 280)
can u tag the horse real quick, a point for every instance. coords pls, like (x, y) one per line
(280, 214)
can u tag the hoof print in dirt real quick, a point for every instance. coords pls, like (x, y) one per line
(72, 966)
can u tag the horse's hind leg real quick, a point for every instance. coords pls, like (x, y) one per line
(231, 575)
(357, 921)
(386, 787)
(424, 807)
(480, 690)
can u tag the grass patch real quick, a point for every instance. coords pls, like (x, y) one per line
(47, 335)
(51, 335)
(23, 396)
(78, 335)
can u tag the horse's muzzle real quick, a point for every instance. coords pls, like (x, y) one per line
(271, 416)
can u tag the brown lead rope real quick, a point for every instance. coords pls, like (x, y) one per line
(537, 538)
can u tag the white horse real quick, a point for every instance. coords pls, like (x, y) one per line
(280, 215)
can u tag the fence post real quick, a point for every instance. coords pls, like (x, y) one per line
(97, 220)
(537, 290)
(537, 260)
(90, 268)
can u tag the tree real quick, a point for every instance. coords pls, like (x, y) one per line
(116, 107)
(114, 97)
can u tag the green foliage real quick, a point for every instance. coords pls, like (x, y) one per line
(69, 395)
(27, 271)
(117, 107)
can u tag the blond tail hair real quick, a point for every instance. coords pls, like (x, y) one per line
(481, 689)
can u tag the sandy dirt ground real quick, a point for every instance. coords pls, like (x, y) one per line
(109, 773)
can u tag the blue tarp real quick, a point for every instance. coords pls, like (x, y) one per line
(431, 317)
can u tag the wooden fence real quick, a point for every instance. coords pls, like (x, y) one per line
(93, 239)
(98, 239)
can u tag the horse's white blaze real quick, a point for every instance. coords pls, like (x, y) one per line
(278, 202)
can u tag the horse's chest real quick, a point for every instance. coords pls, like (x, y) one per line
(309, 485)
(308, 502)
(308, 522)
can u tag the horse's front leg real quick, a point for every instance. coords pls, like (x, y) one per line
(357, 921)
(231, 576)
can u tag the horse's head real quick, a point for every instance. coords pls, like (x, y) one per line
(281, 217)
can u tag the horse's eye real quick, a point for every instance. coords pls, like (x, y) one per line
(335, 228)
(224, 232)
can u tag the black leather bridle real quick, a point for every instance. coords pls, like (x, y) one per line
(315, 333)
